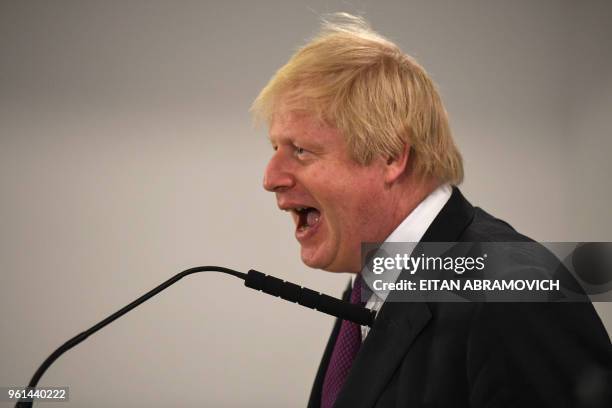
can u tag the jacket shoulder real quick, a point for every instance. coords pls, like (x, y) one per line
(486, 228)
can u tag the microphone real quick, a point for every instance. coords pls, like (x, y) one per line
(309, 298)
(253, 279)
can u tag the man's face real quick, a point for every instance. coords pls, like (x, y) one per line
(334, 201)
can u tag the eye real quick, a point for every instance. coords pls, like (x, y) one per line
(300, 152)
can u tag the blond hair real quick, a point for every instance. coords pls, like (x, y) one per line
(380, 99)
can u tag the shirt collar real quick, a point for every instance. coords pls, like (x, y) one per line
(416, 223)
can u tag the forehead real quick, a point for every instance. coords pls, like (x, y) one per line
(302, 126)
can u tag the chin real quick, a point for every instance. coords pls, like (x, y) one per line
(328, 266)
(315, 262)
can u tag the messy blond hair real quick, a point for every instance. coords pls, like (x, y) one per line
(380, 99)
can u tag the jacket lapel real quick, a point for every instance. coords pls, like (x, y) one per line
(394, 330)
(451, 221)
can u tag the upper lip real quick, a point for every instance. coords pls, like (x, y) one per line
(293, 206)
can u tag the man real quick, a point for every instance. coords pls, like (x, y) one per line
(363, 153)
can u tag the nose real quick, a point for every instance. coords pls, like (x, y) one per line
(278, 175)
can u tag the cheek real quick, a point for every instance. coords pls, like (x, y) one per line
(362, 211)
(349, 195)
(351, 213)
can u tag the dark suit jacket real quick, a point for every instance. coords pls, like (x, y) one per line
(477, 354)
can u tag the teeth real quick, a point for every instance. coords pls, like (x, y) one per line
(297, 209)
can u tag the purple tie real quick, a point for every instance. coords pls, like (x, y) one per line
(346, 348)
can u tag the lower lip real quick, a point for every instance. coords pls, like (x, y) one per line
(305, 234)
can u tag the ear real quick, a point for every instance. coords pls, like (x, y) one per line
(395, 167)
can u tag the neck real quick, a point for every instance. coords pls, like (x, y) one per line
(400, 199)
(405, 196)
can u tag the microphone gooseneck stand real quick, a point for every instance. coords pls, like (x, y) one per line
(253, 279)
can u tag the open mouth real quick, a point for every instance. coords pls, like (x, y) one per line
(307, 217)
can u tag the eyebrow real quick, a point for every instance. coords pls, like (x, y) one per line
(274, 138)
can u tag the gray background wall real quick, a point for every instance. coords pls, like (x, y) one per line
(127, 154)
